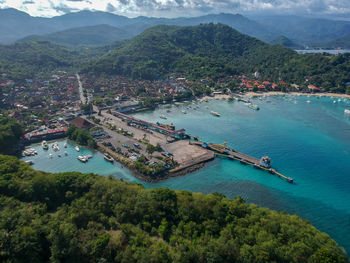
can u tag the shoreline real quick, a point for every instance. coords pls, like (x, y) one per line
(276, 93)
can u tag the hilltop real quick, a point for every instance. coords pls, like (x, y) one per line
(206, 50)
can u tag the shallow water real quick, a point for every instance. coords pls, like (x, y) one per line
(309, 142)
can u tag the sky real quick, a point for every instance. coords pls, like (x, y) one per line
(175, 8)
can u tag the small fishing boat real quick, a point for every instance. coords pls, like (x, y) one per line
(214, 113)
(50, 156)
(82, 159)
(30, 162)
(162, 117)
(253, 106)
(77, 148)
(346, 111)
(108, 157)
(44, 145)
(183, 111)
(308, 101)
(65, 153)
(65, 145)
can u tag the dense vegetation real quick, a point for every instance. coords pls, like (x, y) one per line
(36, 59)
(81, 136)
(10, 133)
(71, 217)
(218, 51)
(205, 50)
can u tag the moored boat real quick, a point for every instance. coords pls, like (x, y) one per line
(82, 159)
(77, 148)
(162, 117)
(44, 145)
(214, 113)
(346, 111)
(108, 157)
(30, 162)
(253, 106)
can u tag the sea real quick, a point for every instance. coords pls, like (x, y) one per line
(307, 138)
(330, 51)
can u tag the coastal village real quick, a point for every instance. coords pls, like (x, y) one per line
(101, 107)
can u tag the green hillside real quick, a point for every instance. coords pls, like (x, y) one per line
(72, 217)
(90, 35)
(206, 50)
(216, 50)
(343, 42)
(284, 41)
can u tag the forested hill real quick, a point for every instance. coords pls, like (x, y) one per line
(216, 50)
(34, 58)
(205, 50)
(24, 60)
(71, 217)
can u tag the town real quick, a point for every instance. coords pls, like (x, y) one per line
(100, 106)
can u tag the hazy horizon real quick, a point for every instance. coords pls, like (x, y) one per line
(329, 9)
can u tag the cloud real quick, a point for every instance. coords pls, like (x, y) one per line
(172, 8)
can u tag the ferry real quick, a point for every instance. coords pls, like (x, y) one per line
(346, 111)
(77, 148)
(214, 113)
(108, 157)
(253, 106)
(162, 117)
(44, 145)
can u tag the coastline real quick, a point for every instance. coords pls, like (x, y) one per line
(275, 93)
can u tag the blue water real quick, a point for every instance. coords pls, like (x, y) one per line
(309, 142)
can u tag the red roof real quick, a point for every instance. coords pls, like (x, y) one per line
(313, 87)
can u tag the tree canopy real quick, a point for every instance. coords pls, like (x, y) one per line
(73, 217)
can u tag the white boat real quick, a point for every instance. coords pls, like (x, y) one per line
(346, 111)
(44, 145)
(77, 148)
(308, 101)
(334, 101)
(214, 113)
(82, 159)
(30, 162)
(162, 117)
(65, 145)
(183, 111)
(108, 157)
(50, 156)
(253, 106)
(65, 153)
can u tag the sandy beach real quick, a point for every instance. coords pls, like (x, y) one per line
(273, 93)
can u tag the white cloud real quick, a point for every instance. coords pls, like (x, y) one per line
(171, 8)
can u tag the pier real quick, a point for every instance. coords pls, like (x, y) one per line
(224, 151)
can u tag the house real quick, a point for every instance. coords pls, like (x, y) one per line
(313, 88)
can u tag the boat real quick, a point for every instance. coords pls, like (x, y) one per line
(168, 111)
(183, 111)
(44, 145)
(65, 153)
(50, 156)
(308, 101)
(108, 157)
(55, 148)
(346, 111)
(253, 106)
(77, 148)
(162, 117)
(59, 155)
(82, 159)
(65, 145)
(88, 156)
(30, 162)
(214, 113)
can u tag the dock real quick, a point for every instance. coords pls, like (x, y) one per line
(224, 151)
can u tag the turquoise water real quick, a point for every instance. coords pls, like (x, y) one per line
(309, 142)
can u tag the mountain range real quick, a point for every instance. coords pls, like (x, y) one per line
(16, 25)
